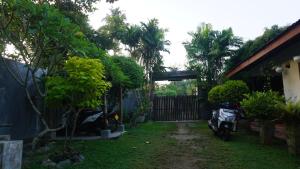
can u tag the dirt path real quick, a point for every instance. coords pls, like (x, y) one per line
(184, 154)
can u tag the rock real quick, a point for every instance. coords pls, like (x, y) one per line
(81, 158)
(64, 163)
(48, 163)
(77, 158)
(44, 149)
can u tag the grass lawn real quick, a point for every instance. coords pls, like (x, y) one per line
(128, 152)
(131, 152)
(242, 152)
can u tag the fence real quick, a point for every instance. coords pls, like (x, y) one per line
(177, 108)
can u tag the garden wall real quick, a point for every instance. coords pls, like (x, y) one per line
(279, 129)
(15, 109)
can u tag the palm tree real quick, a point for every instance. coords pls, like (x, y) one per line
(132, 39)
(152, 44)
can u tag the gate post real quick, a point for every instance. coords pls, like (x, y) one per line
(204, 108)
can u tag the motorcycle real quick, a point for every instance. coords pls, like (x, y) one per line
(224, 120)
(94, 121)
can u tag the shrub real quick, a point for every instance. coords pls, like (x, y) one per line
(82, 85)
(262, 105)
(235, 90)
(215, 95)
(133, 72)
(290, 111)
(232, 91)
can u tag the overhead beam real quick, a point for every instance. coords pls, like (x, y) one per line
(175, 75)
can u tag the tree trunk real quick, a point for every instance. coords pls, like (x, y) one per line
(74, 126)
(121, 105)
(293, 138)
(266, 132)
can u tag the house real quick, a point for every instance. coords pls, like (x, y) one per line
(280, 58)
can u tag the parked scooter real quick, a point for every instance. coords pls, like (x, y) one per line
(224, 120)
(94, 121)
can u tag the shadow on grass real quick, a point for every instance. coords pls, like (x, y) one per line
(243, 151)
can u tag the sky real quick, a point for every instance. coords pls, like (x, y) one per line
(247, 18)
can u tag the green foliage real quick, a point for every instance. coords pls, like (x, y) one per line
(153, 42)
(188, 87)
(232, 91)
(113, 72)
(290, 111)
(166, 90)
(207, 52)
(216, 95)
(251, 46)
(42, 35)
(75, 6)
(133, 72)
(113, 31)
(81, 87)
(235, 90)
(262, 105)
(132, 38)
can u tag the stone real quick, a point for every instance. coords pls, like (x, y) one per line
(48, 163)
(11, 154)
(121, 128)
(44, 149)
(105, 133)
(77, 158)
(64, 163)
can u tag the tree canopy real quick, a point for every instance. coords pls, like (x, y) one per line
(113, 31)
(133, 72)
(251, 46)
(208, 50)
(177, 88)
(153, 42)
(81, 86)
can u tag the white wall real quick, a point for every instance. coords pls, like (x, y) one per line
(291, 81)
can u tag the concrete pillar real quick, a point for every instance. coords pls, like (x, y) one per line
(11, 154)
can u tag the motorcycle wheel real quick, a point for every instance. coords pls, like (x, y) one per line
(225, 134)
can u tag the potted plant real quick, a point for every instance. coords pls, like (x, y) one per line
(262, 106)
(142, 110)
(290, 114)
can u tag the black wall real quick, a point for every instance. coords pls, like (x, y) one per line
(14, 106)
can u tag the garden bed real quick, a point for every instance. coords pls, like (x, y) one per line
(279, 132)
